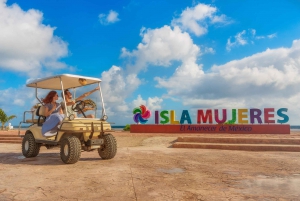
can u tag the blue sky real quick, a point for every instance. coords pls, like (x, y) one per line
(167, 55)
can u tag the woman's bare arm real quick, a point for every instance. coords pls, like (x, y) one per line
(87, 94)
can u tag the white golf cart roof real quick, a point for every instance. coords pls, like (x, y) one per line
(65, 81)
(68, 80)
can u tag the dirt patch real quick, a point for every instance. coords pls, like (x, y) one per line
(128, 141)
(159, 141)
(145, 141)
(146, 169)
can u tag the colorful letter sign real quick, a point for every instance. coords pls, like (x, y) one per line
(235, 121)
(211, 116)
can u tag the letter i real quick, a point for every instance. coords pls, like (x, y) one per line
(156, 117)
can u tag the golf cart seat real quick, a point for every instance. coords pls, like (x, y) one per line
(40, 112)
(34, 121)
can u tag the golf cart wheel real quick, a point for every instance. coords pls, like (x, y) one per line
(109, 149)
(29, 147)
(70, 150)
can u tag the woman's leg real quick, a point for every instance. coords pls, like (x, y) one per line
(52, 122)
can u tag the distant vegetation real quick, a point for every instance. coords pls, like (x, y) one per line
(4, 118)
(127, 127)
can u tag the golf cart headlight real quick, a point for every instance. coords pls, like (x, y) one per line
(105, 117)
(71, 117)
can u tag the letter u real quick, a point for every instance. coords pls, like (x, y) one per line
(224, 115)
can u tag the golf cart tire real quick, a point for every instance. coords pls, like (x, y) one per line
(29, 147)
(109, 149)
(70, 150)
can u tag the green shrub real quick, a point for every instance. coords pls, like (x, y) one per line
(127, 127)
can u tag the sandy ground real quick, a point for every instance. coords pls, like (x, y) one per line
(145, 168)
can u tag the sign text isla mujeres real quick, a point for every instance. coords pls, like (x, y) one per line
(238, 116)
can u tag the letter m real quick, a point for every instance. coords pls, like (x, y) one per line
(204, 117)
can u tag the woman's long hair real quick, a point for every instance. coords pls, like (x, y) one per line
(49, 97)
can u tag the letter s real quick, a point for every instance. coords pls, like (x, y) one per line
(284, 116)
(164, 116)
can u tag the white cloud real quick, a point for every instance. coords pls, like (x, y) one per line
(238, 40)
(27, 45)
(118, 84)
(244, 37)
(116, 87)
(138, 101)
(272, 35)
(196, 19)
(209, 50)
(19, 102)
(275, 68)
(152, 103)
(160, 47)
(223, 19)
(267, 79)
(109, 18)
(15, 101)
(260, 37)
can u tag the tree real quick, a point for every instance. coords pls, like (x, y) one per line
(4, 118)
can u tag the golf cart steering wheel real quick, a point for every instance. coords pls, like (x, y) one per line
(78, 107)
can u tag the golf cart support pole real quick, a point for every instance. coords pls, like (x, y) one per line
(36, 94)
(63, 92)
(103, 108)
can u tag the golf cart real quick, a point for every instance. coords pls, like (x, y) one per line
(75, 133)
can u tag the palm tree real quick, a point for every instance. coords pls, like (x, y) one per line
(4, 118)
